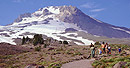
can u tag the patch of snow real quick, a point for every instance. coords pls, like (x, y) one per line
(83, 31)
(75, 34)
(30, 36)
(85, 41)
(38, 12)
(7, 40)
(96, 36)
(78, 43)
(121, 30)
(6, 32)
(54, 10)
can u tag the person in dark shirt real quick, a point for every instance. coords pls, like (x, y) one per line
(119, 50)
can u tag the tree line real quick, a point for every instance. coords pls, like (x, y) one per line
(38, 39)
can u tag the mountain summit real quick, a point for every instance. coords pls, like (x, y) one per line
(61, 23)
(70, 14)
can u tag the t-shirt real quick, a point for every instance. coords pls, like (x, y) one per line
(92, 48)
(119, 49)
(109, 47)
(106, 46)
(100, 51)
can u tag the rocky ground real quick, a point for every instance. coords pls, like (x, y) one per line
(8, 49)
(58, 56)
(52, 56)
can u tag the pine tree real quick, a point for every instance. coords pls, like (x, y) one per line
(27, 38)
(65, 42)
(97, 43)
(38, 39)
(23, 40)
(60, 42)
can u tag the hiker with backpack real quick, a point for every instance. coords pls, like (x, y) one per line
(92, 48)
(109, 49)
(106, 48)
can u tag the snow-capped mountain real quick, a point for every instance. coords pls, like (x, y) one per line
(60, 23)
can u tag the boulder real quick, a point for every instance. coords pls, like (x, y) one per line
(31, 66)
(50, 49)
(119, 64)
(40, 66)
(34, 66)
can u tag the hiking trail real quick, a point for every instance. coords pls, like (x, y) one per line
(79, 64)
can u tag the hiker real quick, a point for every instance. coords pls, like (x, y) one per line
(92, 51)
(100, 51)
(106, 45)
(109, 49)
(103, 47)
(106, 48)
(119, 50)
(91, 45)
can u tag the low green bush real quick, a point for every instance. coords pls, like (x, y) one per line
(54, 65)
(110, 62)
(96, 63)
(38, 48)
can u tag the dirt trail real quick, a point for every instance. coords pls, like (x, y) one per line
(79, 64)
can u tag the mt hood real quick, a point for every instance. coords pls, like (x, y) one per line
(60, 23)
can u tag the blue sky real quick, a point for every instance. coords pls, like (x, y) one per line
(115, 12)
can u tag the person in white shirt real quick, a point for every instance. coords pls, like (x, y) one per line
(109, 49)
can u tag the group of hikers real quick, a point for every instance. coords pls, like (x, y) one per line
(105, 48)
